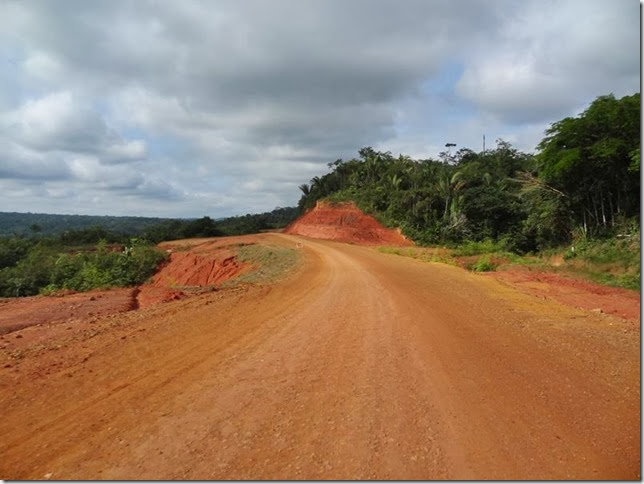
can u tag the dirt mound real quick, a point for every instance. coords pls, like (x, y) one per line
(203, 265)
(198, 269)
(344, 222)
(193, 264)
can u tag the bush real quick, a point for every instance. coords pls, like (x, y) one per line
(486, 246)
(45, 269)
(483, 264)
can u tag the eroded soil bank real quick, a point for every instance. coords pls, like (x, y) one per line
(344, 222)
(194, 266)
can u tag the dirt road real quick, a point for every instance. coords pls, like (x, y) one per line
(361, 365)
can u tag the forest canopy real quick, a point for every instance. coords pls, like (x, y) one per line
(583, 179)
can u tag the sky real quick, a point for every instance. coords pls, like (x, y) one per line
(191, 108)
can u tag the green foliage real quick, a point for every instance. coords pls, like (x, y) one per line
(465, 196)
(483, 264)
(252, 224)
(47, 267)
(91, 235)
(487, 246)
(585, 176)
(593, 162)
(269, 262)
(12, 250)
(27, 224)
(29, 274)
(207, 227)
(420, 253)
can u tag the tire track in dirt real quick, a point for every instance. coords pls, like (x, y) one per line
(360, 366)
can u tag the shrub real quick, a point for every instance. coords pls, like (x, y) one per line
(483, 264)
(45, 269)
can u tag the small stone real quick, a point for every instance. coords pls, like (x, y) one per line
(597, 310)
(18, 336)
(48, 475)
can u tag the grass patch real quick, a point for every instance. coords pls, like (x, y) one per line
(269, 262)
(487, 246)
(483, 264)
(421, 253)
(613, 262)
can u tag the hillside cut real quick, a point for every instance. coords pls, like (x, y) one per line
(344, 222)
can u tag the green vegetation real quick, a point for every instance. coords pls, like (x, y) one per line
(94, 257)
(584, 182)
(85, 229)
(254, 223)
(206, 227)
(614, 261)
(483, 264)
(31, 266)
(270, 262)
(28, 224)
(426, 254)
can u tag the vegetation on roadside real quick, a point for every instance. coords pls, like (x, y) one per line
(613, 261)
(94, 257)
(426, 254)
(30, 266)
(269, 262)
(583, 184)
(207, 227)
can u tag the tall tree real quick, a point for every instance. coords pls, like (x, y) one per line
(593, 159)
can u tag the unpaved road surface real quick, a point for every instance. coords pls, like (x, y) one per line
(360, 365)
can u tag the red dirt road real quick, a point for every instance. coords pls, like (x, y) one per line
(361, 365)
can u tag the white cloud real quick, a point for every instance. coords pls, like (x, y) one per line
(196, 107)
(553, 57)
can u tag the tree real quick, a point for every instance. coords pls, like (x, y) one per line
(594, 160)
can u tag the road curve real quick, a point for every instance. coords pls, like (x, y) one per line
(362, 365)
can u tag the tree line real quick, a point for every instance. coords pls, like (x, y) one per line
(95, 257)
(583, 181)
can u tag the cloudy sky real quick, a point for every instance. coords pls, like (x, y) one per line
(188, 108)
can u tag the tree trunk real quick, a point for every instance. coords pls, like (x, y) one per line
(595, 210)
(585, 224)
(603, 211)
(446, 208)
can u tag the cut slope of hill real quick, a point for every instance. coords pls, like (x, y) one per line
(344, 222)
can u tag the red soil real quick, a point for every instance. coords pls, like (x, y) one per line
(193, 265)
(615, 301)
(17, 313)
(344, 222)
(198, 269)
(204, 265)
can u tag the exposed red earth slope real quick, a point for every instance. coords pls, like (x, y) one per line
(203, 265)
(344, 222)
(193, 265)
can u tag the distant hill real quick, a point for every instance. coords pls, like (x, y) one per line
(14, 223)
(27, 224)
